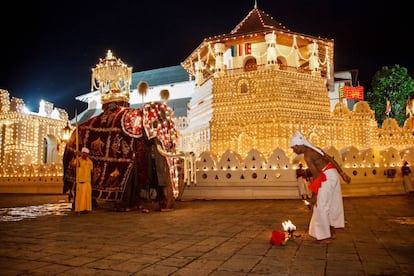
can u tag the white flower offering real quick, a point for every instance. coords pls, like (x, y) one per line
(288, 226)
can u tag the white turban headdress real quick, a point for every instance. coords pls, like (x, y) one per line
(85, 150)
(298, 139)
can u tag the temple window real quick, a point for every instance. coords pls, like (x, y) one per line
(250, 65)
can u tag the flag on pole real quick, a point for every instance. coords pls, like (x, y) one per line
(409, 107)
(341, 92)
(241, 49)
(354, 92)
(248, 49)
(233, 51)
(237, 50)
(388, 108)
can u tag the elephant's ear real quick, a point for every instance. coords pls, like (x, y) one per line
(131, 123)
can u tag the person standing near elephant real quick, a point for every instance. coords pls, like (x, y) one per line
(408, 184)
(83, 196)
(302, 182)
(328, 210)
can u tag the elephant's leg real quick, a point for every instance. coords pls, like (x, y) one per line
(130, 198)
(165, 198)
(170, 197)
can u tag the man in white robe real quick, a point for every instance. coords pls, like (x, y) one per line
(408, 184)
(328, 211)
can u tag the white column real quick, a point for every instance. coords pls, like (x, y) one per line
(199, 72)
(218, 52)
(271, 58)
(313, 58)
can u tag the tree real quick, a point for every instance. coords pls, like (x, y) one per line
(390, 87)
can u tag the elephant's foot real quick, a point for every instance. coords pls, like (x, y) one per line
(122, 209)
(145, 210)
(166, 205)
(169, 206)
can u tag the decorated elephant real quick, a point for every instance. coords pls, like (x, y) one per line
(132, 151)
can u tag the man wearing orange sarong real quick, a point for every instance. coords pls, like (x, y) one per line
(83, 196)
(328, 212)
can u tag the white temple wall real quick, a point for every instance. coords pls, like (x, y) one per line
(231, 177)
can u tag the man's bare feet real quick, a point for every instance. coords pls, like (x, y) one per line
(324, 241)
(333, 232)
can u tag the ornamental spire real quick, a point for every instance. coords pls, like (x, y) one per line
(112, 77)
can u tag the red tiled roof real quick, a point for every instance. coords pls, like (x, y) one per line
(253, 27)
(256, 21)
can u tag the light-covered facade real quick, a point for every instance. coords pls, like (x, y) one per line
(239, 97)
(258, 84)
(28, 137)
(31, 146)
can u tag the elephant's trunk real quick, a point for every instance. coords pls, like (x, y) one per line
(167, 154)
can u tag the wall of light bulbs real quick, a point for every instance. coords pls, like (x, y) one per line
(23, 152)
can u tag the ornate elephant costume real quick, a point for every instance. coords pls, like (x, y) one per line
(123, 144)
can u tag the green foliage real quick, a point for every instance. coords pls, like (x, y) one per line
(395, 85)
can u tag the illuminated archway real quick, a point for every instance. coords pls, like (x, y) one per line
(250, 64)
(282, 63)
(50, 149)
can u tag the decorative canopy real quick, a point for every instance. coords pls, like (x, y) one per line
(112, 77)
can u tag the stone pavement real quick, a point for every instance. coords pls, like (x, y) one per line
(207, 237)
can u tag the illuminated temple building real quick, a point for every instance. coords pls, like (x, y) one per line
(250, 90)
(28, 137)
(258, 84)
(239, 97)
(253, 87)
(31, 145)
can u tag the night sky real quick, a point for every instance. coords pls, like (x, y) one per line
(49, 47)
